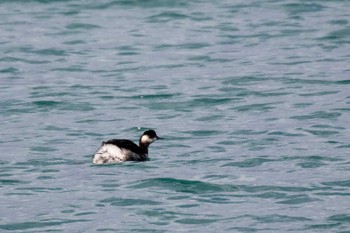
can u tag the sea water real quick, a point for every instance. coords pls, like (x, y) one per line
(252, 98)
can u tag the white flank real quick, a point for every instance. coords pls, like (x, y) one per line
(109, 153)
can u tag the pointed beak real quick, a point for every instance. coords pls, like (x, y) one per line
(159, 138)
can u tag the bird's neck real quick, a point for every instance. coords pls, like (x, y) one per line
(144, 147)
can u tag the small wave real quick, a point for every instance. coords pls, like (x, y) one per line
(185, 186)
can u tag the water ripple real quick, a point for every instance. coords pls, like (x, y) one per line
(251, 98)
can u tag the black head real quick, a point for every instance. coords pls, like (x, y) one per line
(148, 137)
(151, 134)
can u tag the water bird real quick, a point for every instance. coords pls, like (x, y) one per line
(120, 150)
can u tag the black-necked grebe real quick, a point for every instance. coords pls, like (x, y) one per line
(120, 150)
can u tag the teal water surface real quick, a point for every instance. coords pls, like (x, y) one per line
(252, 98)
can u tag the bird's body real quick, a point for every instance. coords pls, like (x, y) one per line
(120, 150)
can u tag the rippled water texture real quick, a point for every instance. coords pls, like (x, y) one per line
(253, 98)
